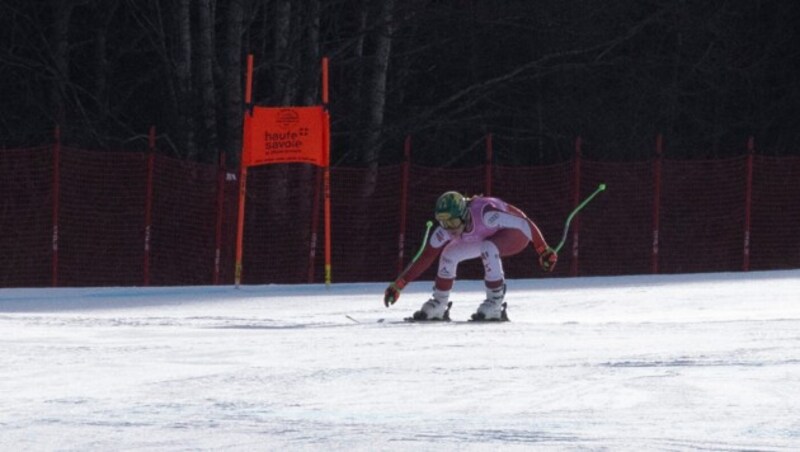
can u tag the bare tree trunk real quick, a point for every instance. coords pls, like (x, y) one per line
(103, 13)
(312, 62)
(359, 47)
(283, 21)
(183, 74)
(62, 12)
(358, 77)
(376, 96)
(205, 67)
(278, 185)
(311, 68)
(232, 88)
(375, 101)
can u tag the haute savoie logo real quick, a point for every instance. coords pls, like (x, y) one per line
(286, 134)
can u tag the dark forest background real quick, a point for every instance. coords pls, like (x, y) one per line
(536, 74)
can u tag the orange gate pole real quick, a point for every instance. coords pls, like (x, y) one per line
(327, 172)
(248, 99)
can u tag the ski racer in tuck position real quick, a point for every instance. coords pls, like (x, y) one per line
(480, 226)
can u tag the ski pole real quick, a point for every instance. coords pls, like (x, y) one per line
(600, 188)
(428, 226)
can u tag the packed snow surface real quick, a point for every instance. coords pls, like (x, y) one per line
(677, 362)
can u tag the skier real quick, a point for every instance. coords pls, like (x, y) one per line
(480, 226)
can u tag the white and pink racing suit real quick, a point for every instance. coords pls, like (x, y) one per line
(494, 229)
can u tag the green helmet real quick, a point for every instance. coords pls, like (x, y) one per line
(451, 209)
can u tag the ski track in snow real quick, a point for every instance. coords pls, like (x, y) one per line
(677, 362)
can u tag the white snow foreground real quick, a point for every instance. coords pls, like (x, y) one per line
(707, 361)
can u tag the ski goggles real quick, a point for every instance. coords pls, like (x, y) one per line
(448, 222)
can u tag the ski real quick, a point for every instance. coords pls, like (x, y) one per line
(439, 322)
(413, 320)
(503, 320)
(446, 318)
(428, 322)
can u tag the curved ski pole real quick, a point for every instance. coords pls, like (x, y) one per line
(394, 286)
(600, 188)
(428, 226)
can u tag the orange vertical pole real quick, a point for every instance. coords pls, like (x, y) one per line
(248, 87)
(657, 202)
(489, 151)
(327, 171)
(748, 202)
(248, 99)
(401, 239)
(56, 196)
(240, 223)
(576, 200)
(326, 182)
(148, 204)
(325, 82)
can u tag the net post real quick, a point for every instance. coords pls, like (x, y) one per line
(312, 246)
(401, 238)
(56, 206)
(657, 164)
(221, 170)
(748, 204)
(576, 199)
(489, 159)
(148, 204)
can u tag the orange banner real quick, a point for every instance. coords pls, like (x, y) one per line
(285, 135)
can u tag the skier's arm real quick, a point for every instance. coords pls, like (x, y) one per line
(429, 254)
(516, 219)
(416, 268)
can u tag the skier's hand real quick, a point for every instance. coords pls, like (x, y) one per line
(393, 292)
(548, 259)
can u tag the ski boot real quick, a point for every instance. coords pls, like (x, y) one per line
(493, 308)
(437, 308)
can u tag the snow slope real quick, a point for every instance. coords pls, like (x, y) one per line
(677, 362)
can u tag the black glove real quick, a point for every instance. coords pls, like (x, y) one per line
(548, 259)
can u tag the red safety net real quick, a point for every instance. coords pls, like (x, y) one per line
(702, 215)
(616, 228)
(102, 199)
(26, 222)
(183, 222)
(278, 226)
(100, 218)
(365, 224)
(775, 229)
(543, 193)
